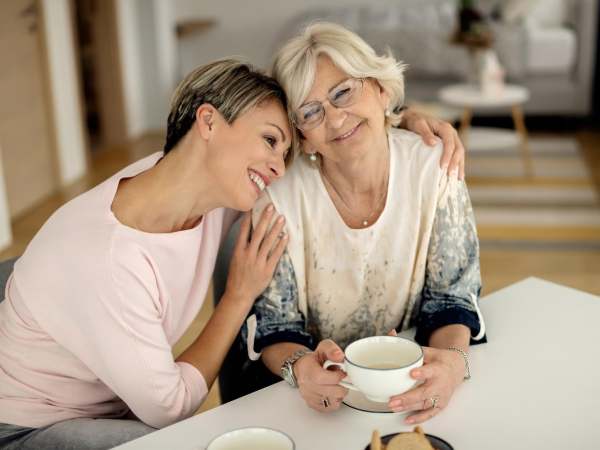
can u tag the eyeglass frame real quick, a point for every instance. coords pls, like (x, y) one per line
(362, 91)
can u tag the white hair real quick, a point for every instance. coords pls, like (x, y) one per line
(294, 65)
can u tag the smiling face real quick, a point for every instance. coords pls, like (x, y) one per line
(346, 133)
(248, 155)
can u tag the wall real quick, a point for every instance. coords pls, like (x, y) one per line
(131, 66)
(153, 62)
(245, 28)
(167, 55)
(148, 62)
(65, 93)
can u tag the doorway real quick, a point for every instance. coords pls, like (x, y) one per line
(98, 53)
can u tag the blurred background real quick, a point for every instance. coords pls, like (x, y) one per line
(85, 88)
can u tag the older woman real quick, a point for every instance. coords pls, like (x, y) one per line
(380, 237)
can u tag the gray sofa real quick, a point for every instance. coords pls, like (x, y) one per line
(6, 269)
(417, 32)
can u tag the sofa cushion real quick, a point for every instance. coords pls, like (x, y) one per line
(551, 50)
(6, 269)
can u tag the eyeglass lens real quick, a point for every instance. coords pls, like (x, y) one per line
(344, 94)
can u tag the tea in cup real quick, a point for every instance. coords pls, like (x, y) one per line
(380, 366)
(252, 439)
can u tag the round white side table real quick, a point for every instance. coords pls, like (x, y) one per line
(469, 98)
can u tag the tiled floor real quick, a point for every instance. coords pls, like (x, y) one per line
(577, 267)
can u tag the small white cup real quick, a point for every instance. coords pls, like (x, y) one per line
(380, 366)
(252, 439)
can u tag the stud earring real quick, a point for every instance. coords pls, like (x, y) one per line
(387, 112)
(313, 157)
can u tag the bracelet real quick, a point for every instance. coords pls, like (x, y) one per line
(468, 377)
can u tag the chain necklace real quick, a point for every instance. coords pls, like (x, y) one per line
(365, 220)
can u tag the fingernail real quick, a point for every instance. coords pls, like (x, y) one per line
(339, 352)
(285, 237)
(409, 421)
(395, 403)
(280, 219)
(398, 409)
(432, 142)
(445, 167)
(416, 374)
(270, 207)
(462, 177)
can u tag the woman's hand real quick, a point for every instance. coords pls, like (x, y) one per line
(253, 262)
(443, 371)
(429, 127)
(316, 383)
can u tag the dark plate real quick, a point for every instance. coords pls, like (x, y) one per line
(436, 442)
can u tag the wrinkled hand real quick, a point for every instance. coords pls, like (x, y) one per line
(443, 371)
(429, 127)
(253, 262)
(316, 383)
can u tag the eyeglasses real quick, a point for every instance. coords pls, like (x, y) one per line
(345, 94)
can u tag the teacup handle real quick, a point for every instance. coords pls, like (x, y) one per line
(346, 381)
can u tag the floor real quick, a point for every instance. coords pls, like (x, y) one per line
(576, 267)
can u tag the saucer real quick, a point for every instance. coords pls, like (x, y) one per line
(436, 442)
(357, 400)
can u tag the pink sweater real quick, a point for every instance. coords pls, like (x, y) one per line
(93, 309)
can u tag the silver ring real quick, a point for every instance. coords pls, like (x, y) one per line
(434, 402)
(325, 402)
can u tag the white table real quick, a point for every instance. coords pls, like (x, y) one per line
(535, 385)
(469, 98)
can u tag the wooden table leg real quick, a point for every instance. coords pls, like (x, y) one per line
(518, 119)
(465, 125)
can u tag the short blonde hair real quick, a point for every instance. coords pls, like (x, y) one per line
(232, 87)
(294, 65)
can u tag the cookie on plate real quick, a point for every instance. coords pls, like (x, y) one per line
(376, 441)
(415, 440)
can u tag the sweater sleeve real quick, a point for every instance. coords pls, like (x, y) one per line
(452, 277)
(123, 342)
(275, 317)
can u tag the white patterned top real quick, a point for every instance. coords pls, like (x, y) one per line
(334, 282)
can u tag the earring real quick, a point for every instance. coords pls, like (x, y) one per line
(387, 112)
(313, 157)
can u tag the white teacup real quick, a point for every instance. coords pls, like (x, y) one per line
(252, 439)
(380, 366)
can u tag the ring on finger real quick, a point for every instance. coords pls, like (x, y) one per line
(434, 401)
(325, 402)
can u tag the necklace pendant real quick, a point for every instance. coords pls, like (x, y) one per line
(365, 223)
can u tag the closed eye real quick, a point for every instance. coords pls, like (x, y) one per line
(271, 140)
(311, 113)
(341, 94)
